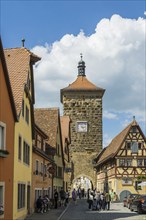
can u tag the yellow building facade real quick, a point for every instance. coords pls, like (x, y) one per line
(20, 62)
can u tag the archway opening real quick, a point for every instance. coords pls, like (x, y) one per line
(82, 182)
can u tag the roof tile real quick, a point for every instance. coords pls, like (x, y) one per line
(47, 119)
(18, 63)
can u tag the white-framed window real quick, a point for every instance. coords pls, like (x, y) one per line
(21, 196)
(2, 135)
(2, 197)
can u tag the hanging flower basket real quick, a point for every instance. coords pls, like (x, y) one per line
(3, 153)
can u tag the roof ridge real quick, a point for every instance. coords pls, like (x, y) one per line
(51, 108)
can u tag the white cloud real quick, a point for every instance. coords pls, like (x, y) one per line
(144, 12)
(106, 140)
(109, 115)
(115, 60)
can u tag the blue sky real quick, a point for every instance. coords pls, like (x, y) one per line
(47, 21)
(59, 30)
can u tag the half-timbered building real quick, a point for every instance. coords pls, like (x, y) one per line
(121, 166)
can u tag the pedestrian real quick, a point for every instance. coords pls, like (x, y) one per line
(62, 196)
(48, 202)
(97, 196)
(112, 195)
(83, 192)
(56, 198)
(90, 200)
(39, 204)
(66, 197)
(102, 201)
(107, 200)
(79, 192)
(74, 196)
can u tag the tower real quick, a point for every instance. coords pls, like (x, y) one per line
(82, 102)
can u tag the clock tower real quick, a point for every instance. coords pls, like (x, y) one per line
(82, 102)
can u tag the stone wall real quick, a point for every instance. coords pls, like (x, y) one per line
(84, 145)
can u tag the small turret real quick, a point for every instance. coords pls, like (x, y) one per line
(81, 67)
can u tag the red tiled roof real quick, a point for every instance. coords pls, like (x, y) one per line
(65, 120)
(47, 119)
(116, 143)
(82, 83)
(18, 63)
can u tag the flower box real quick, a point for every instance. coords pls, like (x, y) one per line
(4, 153)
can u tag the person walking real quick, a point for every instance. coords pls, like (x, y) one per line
(74, 196)
(56, 199)
(97, 196)
(79, 192)
(39, 204)
(90, 198)
(62, 196)
(112, 195)
(66, 197)
(107, 200)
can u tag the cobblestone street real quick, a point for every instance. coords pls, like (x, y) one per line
(81, 212)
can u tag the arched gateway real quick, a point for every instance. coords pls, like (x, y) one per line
(82, 102)
(83, 182)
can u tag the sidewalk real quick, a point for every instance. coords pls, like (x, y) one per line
(52, 214)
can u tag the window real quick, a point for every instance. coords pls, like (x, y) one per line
(136, 185)
(23, 108)
(21, 196)
(134, 147)
(37, 167)
(140, 162)
(2, 194)
(2, 136)
(19, 147)
(45, 170)
(41, 169)
(145, 162)
(126, 181)
(38, 192)
(121, 162)
(26, 153)
(134, 129)
(128, 145)
(60, 172)
(128, 162)
(140, 146)
(27, 115)
(58, 149)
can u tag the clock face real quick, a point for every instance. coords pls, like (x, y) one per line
(82, 126)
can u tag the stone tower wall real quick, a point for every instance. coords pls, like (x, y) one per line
(84, 145)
